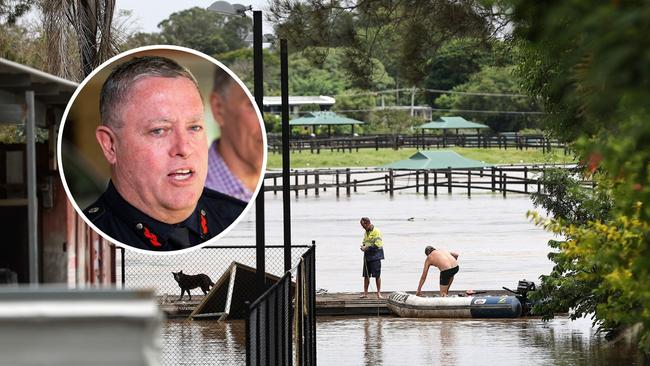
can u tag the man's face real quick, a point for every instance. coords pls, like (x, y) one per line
(161, 148)
(365, 225)
(239, 126)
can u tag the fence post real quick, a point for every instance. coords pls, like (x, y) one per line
(275, 185)
(376, 143)
(449, 180)
(247, 306)
(426, 183)
(337, 183)
(469, 183)
(504, 178)
(417, 181)
(316, 181)
(296, 182)
(306, 180)
(525, 179)
(347, 181)
(391, 176)
(435, 183)
(386, 183)
(493, 178)
(123, 269)
(355, 186)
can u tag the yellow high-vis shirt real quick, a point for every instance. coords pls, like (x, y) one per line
(373, 238)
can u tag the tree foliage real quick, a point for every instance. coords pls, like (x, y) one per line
(496, 80)
(22, 44)
(85, 29)
(589, 64)
(570, 285)
(11, 10)
(391, 122)
(205, 31)
(455, 61)
(413, 30)
(199, 29)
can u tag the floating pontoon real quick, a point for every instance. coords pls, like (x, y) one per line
(505, 306)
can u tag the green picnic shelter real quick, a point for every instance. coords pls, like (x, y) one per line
(429, 160)
(452, 123)
(324, 118)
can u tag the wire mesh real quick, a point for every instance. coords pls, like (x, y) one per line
(205, 342)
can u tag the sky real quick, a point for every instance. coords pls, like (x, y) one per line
(148, 13)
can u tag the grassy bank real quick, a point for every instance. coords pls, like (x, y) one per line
(370, 157)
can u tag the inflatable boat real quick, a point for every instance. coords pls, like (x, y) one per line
(504, 306)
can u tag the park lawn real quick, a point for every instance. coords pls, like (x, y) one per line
(372, 158)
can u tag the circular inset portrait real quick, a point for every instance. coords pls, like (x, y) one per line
(162, 148)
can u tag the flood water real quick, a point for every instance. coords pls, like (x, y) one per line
(377, 341)
(497, 245)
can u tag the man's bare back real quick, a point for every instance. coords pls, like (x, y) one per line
(446, 262)
(443, 259)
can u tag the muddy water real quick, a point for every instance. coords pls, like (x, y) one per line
(376, 341)
(498, 246)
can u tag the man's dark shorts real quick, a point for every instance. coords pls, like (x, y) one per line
(446, 275)
(373, 269)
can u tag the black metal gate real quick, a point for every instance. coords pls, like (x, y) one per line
(275, 315)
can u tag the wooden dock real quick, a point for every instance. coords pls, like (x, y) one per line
(350, 303)
(334, 304)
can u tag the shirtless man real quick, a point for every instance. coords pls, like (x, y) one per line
(446, 263)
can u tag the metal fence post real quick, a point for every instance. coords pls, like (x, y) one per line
(248, 333)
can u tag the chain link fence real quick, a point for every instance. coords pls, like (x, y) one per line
(283, 308)
(200, 342)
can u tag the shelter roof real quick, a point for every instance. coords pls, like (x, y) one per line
(323, 118)
(436, 160)
(453, 123)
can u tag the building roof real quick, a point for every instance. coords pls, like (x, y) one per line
(49, 89)
(453, 123)
(300, 100)
(436, 160)
(15, 80)
(323, 118)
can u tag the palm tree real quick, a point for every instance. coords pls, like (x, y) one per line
(78, 27)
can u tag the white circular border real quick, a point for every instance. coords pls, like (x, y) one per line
(109, 62)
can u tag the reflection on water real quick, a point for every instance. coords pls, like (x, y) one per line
(398, 341)
(377, 341)
(204, 343)
(498, 246)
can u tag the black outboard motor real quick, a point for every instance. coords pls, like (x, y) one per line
(523, 288)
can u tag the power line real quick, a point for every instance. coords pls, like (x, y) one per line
(483, 94)
(433, 109)
(484, 111)
(439, 91)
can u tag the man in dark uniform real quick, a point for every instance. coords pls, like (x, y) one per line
(153, 137)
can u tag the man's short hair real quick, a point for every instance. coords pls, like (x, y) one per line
(116, 88)
(365, 219)
(429, 249)
(222, 82)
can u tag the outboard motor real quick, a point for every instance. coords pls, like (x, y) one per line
(523, 288)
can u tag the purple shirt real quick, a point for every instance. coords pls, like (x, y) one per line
(221, 179)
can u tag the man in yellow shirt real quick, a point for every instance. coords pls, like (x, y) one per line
(373, 254)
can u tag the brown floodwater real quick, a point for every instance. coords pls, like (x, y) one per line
(397, 341)
(498, 247)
